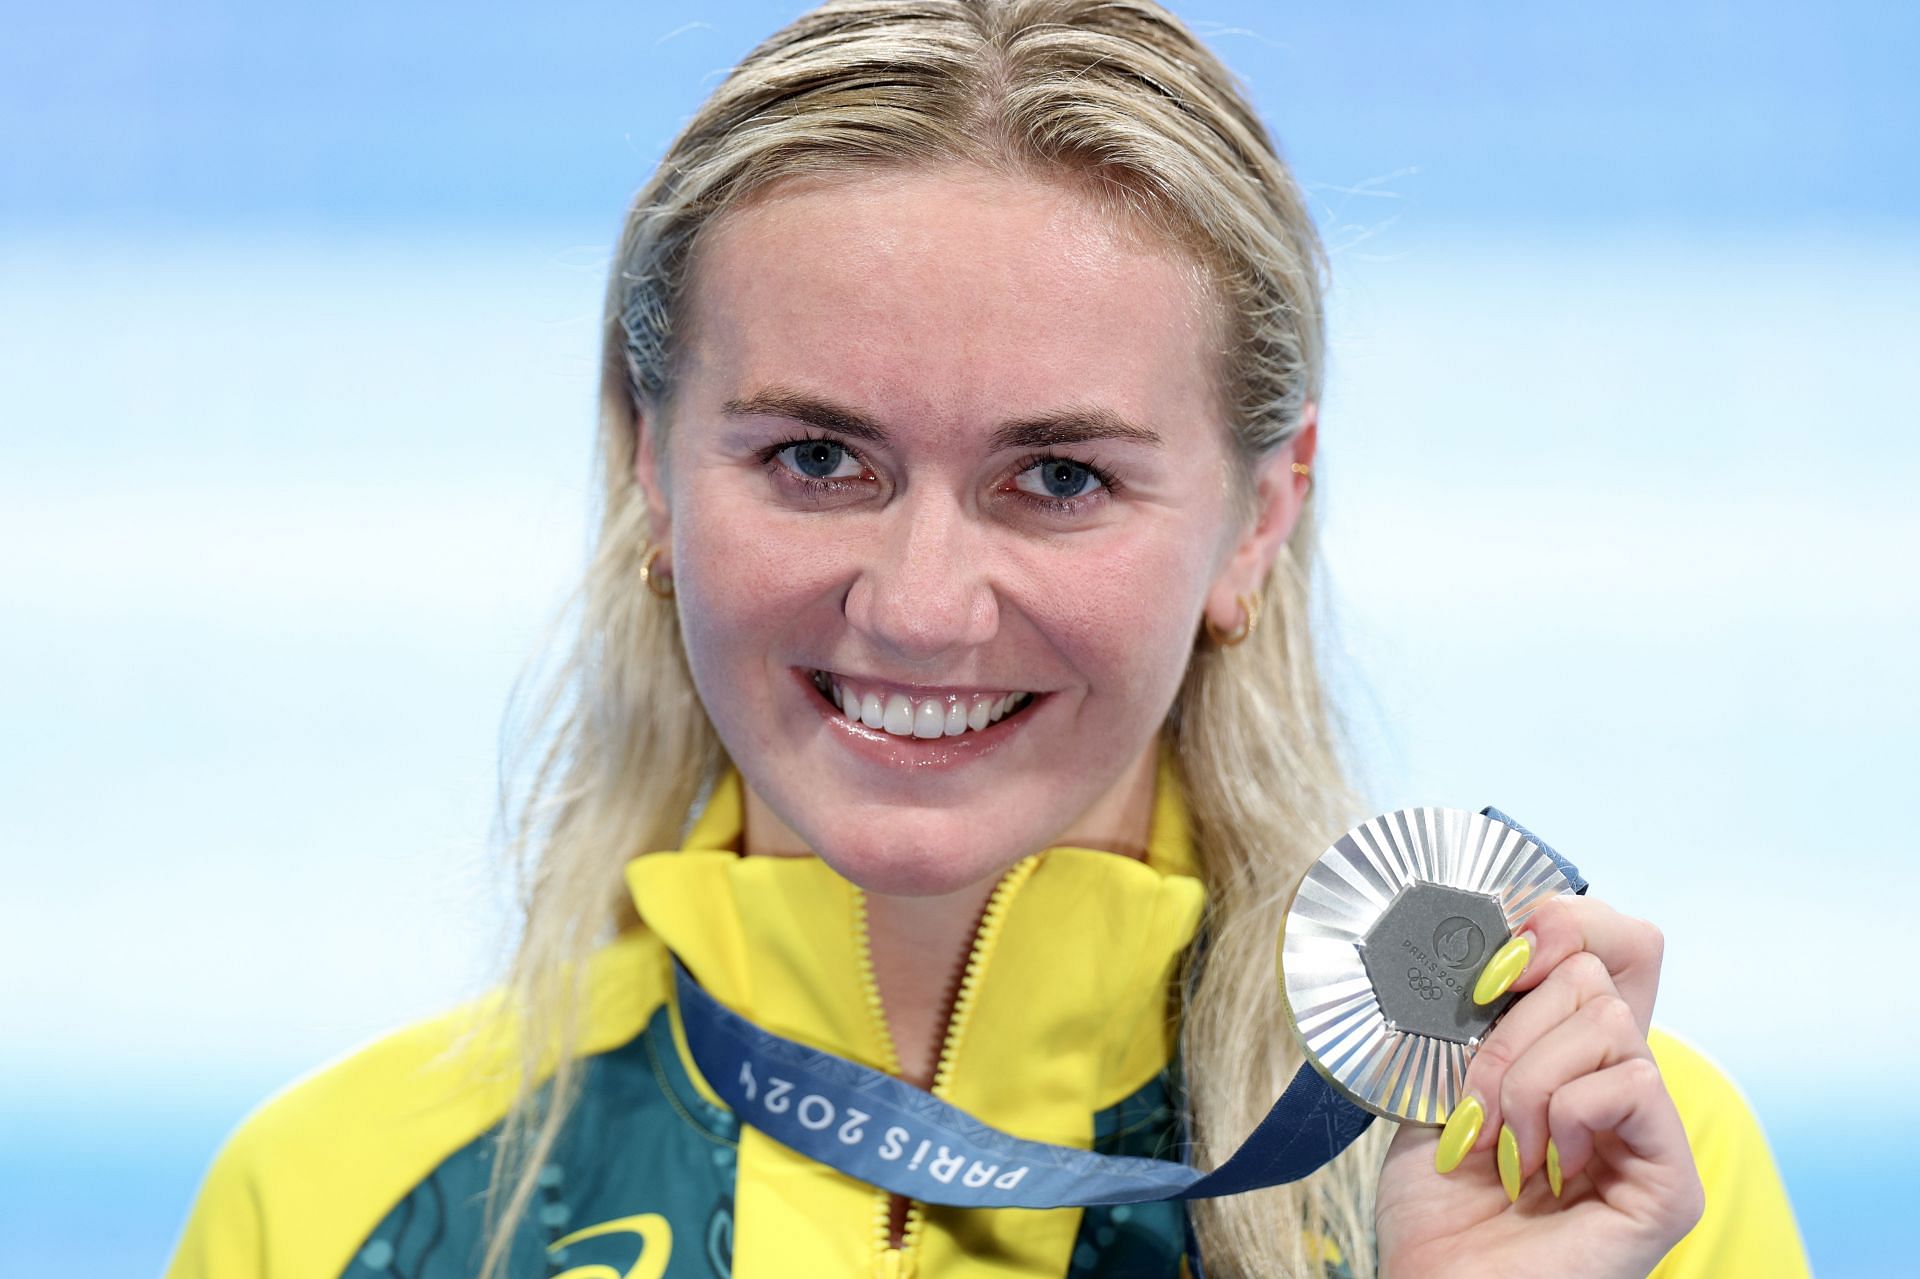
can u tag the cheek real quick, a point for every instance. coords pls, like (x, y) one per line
(742, 578)
(1125, 621)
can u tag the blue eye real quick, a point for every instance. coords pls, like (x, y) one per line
(816, 459)
(1060, 478)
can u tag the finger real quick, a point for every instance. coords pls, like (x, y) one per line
(1577, 980)
(1626, 1111)
(1600, 1035)
(1565, 925)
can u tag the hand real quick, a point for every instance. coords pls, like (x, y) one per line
(1564, 1084)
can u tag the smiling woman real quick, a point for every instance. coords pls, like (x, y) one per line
(1011, 489)
(944, 664)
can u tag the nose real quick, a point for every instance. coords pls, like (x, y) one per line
(923, 591)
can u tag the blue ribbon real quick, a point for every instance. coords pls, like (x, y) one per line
(899, 1138)
(892, 1135)
(1574, 877)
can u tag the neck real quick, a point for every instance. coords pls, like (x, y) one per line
(920, 945)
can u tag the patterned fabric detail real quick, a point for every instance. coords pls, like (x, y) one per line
(1134, 1241)
(1146, 1241)
(644, 1170)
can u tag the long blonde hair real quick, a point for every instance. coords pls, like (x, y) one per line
(1120, 99)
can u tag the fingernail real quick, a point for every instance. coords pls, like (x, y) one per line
(1553, 1168)
(1457, 1138)
(1507, 964)
(1507, 1155)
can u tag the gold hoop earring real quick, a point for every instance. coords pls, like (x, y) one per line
(1250, 606)
(653, 580)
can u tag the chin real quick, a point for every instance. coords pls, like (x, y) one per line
(917, 868)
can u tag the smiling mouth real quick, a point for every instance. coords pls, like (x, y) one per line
(900, 714)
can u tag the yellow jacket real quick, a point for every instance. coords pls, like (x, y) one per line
(377, 1164)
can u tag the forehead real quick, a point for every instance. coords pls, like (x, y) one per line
(946, 298)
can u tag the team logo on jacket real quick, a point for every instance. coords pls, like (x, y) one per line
(656, 1245)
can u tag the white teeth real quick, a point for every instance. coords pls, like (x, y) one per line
(899, 720)
(925, 717)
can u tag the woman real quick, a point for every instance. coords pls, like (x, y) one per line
(944, 663)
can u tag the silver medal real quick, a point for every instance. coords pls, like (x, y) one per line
(1383, 941)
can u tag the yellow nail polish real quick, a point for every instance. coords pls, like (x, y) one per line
(1553, 1168)
(1457, 1138)
(1506, 965)
(1507, 1156)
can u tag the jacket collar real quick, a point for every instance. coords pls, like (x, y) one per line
(1067, 1007)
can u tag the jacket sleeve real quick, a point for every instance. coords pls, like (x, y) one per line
(1747, 1228)
(223, 1238)
(296, 1189)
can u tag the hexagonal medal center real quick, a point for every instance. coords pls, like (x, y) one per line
(1424, 954)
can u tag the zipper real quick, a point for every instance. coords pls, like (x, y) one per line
(892, 1262)
(887, 1257)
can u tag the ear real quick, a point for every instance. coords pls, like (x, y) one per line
(648, 474)
(1280, 494)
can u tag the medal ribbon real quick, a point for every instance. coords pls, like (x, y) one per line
(889, 1134)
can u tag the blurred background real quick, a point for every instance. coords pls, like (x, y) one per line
(297, 369)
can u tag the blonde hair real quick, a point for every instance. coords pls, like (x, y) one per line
(1121, 100)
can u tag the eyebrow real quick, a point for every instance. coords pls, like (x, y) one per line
(1044, 430)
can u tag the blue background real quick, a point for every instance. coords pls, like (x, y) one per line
(296, 395)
